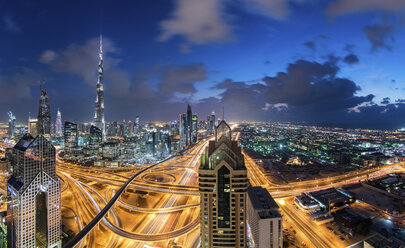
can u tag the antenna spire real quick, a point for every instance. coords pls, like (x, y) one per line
(223, 113)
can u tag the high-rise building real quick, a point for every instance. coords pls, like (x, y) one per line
(99, 113)
(264, 219)
(212, 122)
(150, 144)
(44, 115)
(11, 125)
(58, 124)
(34, 197)
(71, 135)
(33, 127)
(223, 183)
(96, 136)
(194, 125)
(137, 122)
(182, 131)
(189, 124)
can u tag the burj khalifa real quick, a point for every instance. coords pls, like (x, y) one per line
(99, 113)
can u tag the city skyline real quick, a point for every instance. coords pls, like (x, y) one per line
(332, 63)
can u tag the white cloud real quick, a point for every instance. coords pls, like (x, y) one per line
(342, 7)
(48, 56)
(200, 22)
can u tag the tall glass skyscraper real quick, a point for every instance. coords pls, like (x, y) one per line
(11, 125)
(70, 135)
(58, 124)
(34, 196)
(99, 113)
(223, 184)
(44, 115)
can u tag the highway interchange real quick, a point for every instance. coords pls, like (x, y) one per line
(160, 206)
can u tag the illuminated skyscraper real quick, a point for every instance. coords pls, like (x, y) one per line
(99, 113)
(212, 121)
(70, 135)
(194, 126)
(33, 192)
(44, 115)
(33, 126)
(96, 136)
(182, 131)
(189, 124)
(223, 183)
(11, 125)
(58, 124)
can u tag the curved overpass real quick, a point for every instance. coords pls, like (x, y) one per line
(104, 211)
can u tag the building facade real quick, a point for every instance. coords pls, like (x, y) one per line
(264, 219)
(44, 115)
(71, 135)
(99, 104)
(223, 184)
(11, 125)
(33, 193)
(58, 124)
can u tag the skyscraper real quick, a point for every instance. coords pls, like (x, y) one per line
(99, 113)
(182, 131)
(223, 183)
(194, 125)
(189, 124)
(70, 135)
(33, 190)
(44, 115)
(58, 124)
(33, 126)
(11, 125)
(212, 122)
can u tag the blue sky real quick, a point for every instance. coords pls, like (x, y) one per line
(323, 62)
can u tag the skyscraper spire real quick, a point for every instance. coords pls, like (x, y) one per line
(99, 111)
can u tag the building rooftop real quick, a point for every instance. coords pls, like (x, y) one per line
(261, 199)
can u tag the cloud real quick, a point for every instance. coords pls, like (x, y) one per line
(48, 56)
(308, 90)
(379, 36)
(386, 100)
(11, 25)
(351, 59)
(311, 45)
(17, 85)
(203, 22)
(199, 22)
(277, 9)
(342, 7)
(81, 59)
(182, 78)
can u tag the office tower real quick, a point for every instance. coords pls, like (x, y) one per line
(264, 219)
(33, 190)
(33, 127)
(137, 122)
(44, 115)
(189, 124)
(11, 125)
(223, 183)
(212, 121)
(183, 132)
(194, 126)
(150, 143)
(71, 135)
(165, 145)
(99, 113)
(58, 124)
(96, 136)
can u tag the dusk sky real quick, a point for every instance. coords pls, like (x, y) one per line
(336, 63)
